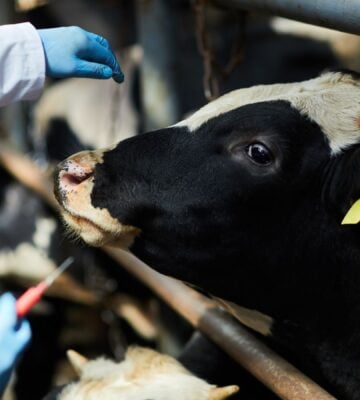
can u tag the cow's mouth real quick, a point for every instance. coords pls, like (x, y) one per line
(87, 229)
(95, 234)
(100, 230)
(79, 221)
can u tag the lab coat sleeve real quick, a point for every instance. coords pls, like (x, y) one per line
(22, 63)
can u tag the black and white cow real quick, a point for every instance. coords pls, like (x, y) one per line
(245, 199)
(144, 373)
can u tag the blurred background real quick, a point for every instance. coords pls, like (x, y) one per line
(176, 55)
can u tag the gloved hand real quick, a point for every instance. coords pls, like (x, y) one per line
(74, 52)
(14, 337)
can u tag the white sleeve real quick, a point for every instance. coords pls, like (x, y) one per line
(22, 63)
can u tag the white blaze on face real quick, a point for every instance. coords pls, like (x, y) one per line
(331, 100)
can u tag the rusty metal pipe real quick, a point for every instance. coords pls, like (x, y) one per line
(269, 368)
(28, 173)
(340, 15)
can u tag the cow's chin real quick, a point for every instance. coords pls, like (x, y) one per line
(97, 236)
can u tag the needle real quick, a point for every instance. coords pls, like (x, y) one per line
(34, 294)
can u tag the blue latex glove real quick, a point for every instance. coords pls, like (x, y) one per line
(15, 335)
(74, 52)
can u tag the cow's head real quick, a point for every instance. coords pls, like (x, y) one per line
(254, 182)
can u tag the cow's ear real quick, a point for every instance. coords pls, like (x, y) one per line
(343, 186)
(222, 393)
(77, 361)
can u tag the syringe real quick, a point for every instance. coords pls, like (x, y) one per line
(34, 294)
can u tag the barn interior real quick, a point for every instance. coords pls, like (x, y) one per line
(176, 56)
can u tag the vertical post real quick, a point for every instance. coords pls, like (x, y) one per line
(12, 115)
(156, 29)
(6, 11)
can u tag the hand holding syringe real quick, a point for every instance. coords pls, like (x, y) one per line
(15, 331)
(34, 294)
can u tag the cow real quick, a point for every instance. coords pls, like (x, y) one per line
(142, 374)
(245, 199)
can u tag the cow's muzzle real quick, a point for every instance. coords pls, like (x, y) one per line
(74, 183)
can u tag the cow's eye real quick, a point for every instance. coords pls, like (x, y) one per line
(259, 153)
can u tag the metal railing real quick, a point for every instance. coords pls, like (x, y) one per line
(342, 15)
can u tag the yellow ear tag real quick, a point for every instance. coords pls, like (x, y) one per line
(353, 215)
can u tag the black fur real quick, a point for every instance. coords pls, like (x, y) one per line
(206, 360)
(266, 237)
(61, 141)
(55, 393)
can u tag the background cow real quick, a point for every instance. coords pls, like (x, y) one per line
(144, 373)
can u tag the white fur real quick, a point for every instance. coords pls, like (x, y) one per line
(25, 262)
(45, 227)
(144, 374)
(331, 100)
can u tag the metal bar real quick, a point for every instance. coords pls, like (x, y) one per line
(13, 115)
(342, 15)
(155, 19)
(28, 173)
(272, 370)
(269, 368)
(7, 12)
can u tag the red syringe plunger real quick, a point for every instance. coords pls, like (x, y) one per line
(28, 299)
(34, 294)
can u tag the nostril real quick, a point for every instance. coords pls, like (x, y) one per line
(72, 174)
(72, 180)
